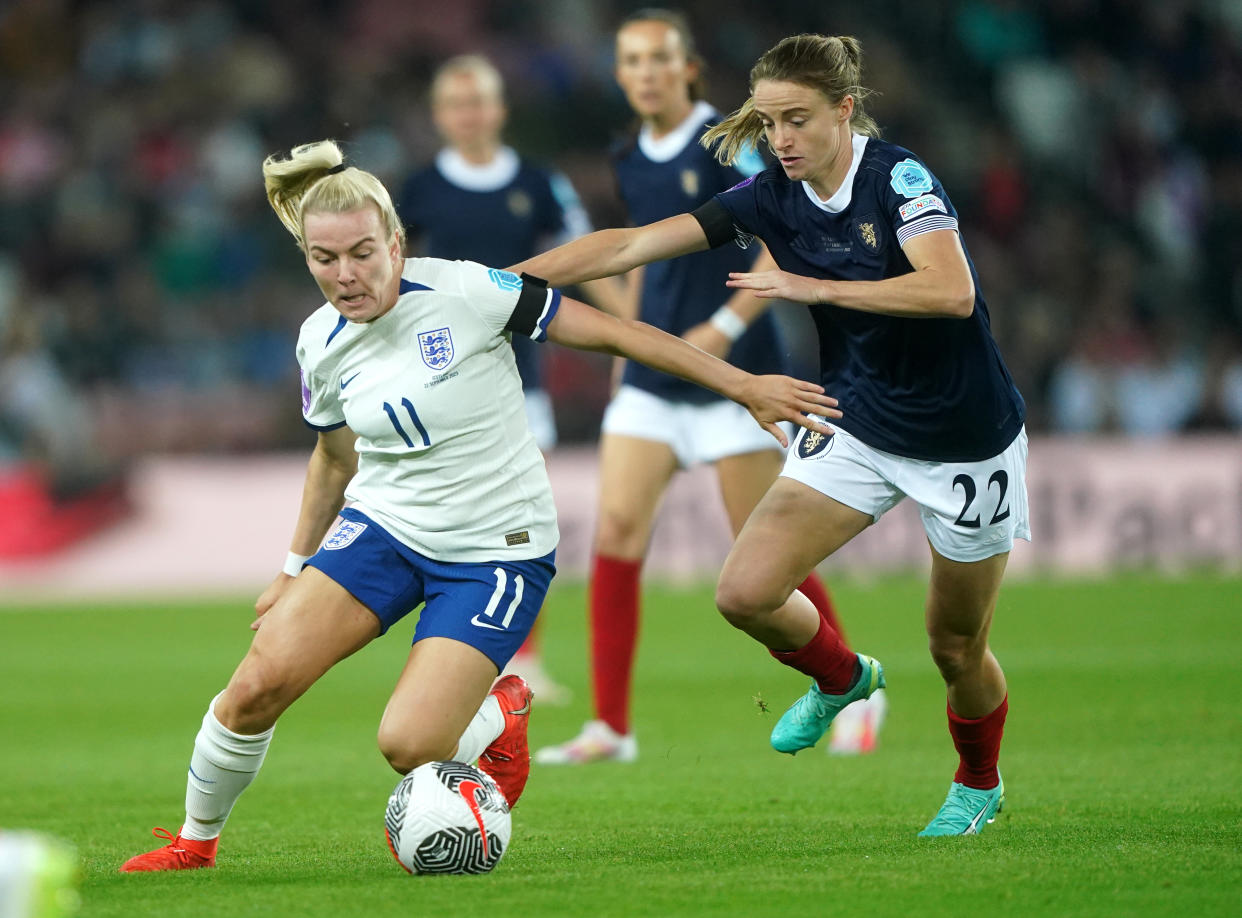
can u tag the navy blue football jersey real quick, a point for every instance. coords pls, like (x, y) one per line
(935, 388)
(669, 176)
(497, 215)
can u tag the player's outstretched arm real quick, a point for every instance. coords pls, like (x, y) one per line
(940, 286)
(332, 465)
(769, 399)
(606, 253)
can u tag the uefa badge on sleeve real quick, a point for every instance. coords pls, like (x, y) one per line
(910, 178)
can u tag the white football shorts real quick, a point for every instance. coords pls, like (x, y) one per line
(695, 433)
(970, 510)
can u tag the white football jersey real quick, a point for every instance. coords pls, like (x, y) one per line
(446, 462)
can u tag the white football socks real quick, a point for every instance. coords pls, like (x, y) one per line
(486, 725)
(223, 765)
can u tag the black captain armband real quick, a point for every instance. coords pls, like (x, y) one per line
(717, 225)
(531, 304)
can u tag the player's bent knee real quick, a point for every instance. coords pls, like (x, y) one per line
(255, 697)
(742, 604)
(956, 654)
(405, 754)
(619, 535)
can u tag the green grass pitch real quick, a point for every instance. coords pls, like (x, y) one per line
(1122, 763)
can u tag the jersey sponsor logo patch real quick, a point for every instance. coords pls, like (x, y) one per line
(436, 346)
(910, 178)
(344, 534)
(925, 204)
(690, 183)
(814, 444)
(346, 382)
(505, 280)
(519, 203)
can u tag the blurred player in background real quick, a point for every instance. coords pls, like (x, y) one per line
(480, 201)
(656, 424)
(410, 379)
(866, 236)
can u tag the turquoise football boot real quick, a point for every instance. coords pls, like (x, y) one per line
(966, 810)
(810, 716)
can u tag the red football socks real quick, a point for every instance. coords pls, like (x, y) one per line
(614, 603)
(978, 746)
(826, 658)
(814, 589)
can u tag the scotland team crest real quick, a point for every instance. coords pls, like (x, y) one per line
(436, 347)
(690, 183)
(867, 234)
(814, 444)
(519, 203)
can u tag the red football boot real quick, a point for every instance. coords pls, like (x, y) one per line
(179, 854)
(507, 759)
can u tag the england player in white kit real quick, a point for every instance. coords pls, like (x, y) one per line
(409, 377)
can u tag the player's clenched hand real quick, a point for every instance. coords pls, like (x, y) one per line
(706, 337)
(771, 399)
(777, 284)
(268, 598)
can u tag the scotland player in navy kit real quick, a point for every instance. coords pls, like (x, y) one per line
(478, 182)
(657, 423)
(409, 378)
(480, 201)
(867, 237)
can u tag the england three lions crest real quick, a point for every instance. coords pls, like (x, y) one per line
(436, 348)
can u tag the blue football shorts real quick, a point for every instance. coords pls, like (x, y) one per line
(489, 605)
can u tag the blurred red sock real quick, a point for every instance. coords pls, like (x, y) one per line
(614, 601)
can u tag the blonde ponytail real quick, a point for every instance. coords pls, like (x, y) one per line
(313, 178)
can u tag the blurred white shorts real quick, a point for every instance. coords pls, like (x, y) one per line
(695, 433)
(540, 418)
(970, 510)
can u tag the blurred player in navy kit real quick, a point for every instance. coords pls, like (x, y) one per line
(655, 423)
(480, 201)
(865, 235)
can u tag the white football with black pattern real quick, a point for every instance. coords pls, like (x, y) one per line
(447, 817)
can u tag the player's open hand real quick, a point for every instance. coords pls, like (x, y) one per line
(771, 399)
(777, 285)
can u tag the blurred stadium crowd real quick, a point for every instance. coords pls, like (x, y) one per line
(149, 299)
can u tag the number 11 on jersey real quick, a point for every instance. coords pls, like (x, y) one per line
(418, 425)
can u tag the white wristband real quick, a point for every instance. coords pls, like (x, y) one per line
(728, 323)
(293, 563)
